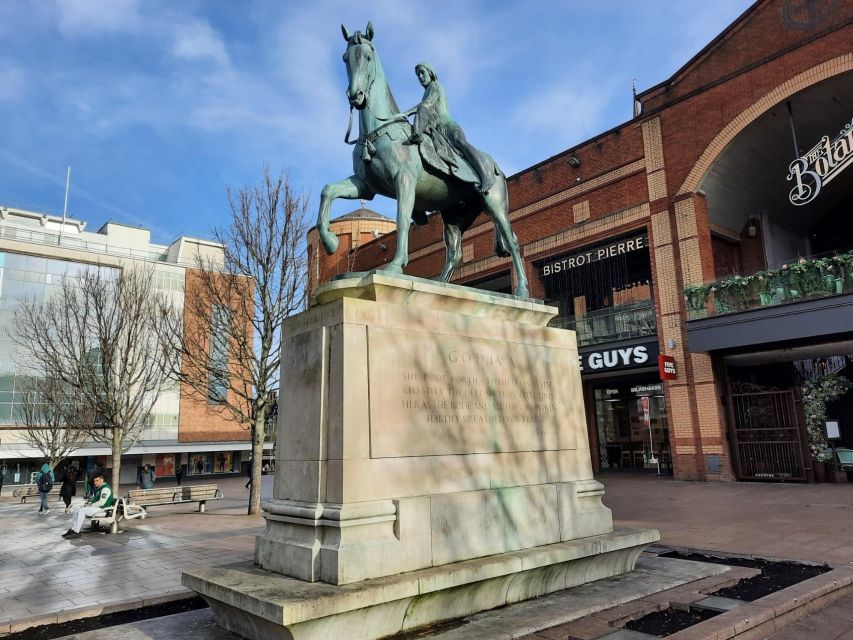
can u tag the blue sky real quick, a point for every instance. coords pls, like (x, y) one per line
(158, 106)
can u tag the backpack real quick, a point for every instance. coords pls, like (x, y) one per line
(44, 482)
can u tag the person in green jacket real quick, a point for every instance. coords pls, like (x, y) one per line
(44, 487)
(101, 500)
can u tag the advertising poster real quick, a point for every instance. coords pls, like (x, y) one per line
(200, 464)
(224, 462)
(165, 465)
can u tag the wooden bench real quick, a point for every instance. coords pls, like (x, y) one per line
(200, 493)
(32, 491)
(118, 511)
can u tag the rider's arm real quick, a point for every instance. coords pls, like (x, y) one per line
(431, 96)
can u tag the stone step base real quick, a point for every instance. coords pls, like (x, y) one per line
(261, 605)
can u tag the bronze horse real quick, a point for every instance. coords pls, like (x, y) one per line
(385, 162)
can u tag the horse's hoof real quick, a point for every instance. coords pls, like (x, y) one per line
(392, 269)
(522, 292)
(330, 241)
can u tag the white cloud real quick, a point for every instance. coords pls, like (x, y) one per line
(13, 83)
(563, 112)
(96, 17)
(197, 41)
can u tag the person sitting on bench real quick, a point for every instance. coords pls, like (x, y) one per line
(102, 499)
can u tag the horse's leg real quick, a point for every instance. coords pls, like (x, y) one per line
(453, 250)
(496, 207)
(349, 188)
(405, 187)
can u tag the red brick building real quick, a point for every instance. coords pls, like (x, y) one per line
(698, 186)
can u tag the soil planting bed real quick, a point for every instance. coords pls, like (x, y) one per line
(669, 621)
(49, 631)
(774, 576)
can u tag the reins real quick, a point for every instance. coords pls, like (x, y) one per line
(373, 135)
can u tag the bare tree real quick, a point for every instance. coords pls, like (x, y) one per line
(54, 419)
(100, 336)
(229, 335)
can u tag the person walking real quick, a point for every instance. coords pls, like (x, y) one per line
(179, 474)
(69, 487)
(146, 477)
(249, 474)
(44, 481)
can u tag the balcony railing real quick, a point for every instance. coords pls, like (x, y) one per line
(805, 279)
(634, 320)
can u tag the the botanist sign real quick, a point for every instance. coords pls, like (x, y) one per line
(820, 165)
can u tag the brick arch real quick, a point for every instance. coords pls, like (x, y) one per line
(823, 71)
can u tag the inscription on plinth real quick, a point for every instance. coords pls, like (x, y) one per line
(434, 394)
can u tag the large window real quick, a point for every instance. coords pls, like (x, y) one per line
(633, 430)
(220, 320)
(24, 277)
(603, 290)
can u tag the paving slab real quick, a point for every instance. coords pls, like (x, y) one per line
(805, 522)
(627, 634)
(45, 578)
(718, 604)
(192, 625)
(97, 572)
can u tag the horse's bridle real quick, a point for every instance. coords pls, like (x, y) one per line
(373, 135)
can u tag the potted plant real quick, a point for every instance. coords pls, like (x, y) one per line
(763, 283)
(826, 272)
(848, 266)
(696, 296)
(720, 304)
(841, 270)
(733, 291)
(816, 394)
(783, 280)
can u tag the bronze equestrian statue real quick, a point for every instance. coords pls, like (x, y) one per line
(428, 167)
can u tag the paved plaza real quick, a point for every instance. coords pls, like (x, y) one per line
(45, 579)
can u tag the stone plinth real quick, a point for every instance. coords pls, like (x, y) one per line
(267, 606)
(424, 427)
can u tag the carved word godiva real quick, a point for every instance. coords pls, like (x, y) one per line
(820, 165)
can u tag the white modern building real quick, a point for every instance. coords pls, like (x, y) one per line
(36, 252)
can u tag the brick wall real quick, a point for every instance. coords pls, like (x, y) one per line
(200, 421)
(645, 174)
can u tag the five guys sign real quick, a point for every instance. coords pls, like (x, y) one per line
(666, 367)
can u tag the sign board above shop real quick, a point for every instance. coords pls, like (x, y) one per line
(596, 254)
(633, 356)
(820, 165)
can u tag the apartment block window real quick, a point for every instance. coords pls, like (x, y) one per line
(220, 320)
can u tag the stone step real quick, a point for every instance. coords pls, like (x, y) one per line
(718, 604)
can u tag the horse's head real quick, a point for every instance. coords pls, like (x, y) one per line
(360, 59)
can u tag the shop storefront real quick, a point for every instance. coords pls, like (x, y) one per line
(631, 427)
(627, 420)
(214, 462)
(603, 290)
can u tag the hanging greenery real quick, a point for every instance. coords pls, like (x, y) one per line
(816, 394)
(804, 278)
